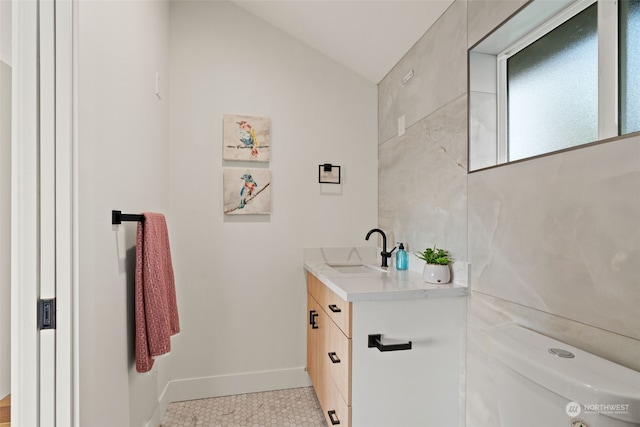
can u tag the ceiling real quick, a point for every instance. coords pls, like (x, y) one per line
(366, 36)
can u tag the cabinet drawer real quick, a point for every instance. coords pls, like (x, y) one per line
(338, 309)
(336, 411)
(337, 360)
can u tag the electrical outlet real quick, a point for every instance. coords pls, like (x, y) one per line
(407, 77)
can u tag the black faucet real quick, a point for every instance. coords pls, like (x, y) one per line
(385, 255)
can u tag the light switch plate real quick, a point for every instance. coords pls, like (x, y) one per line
(158, 85)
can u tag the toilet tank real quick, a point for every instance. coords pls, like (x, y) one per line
(540, 380)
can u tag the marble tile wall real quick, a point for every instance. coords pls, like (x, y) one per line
(482, 130)
(422, 174)
(439, 62)
(485, 15)
(482, 111)
(559, 234)
(553, 242)
(422, 181)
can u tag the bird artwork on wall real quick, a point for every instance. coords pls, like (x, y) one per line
(247, 191)
(246, 138)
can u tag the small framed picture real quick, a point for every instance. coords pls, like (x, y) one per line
(328, 174)
(246, 191)
(246, 138)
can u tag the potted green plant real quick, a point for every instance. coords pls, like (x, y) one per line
(436, 269)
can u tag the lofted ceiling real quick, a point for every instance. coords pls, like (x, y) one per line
(366, 36)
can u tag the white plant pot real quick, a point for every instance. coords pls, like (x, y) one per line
(436, 273)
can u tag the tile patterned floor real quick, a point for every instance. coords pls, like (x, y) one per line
(296, 407)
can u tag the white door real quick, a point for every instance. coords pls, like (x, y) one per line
(42, 213)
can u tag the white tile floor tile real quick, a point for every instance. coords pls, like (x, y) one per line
(297, 407)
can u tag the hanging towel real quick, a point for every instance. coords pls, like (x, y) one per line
(155, 299)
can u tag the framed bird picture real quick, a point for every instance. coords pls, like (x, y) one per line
(246, 138)
(246, 191)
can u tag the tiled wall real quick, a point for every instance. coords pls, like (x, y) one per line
(553, 242)
(423, 180)
(482, 111)
(422, 174)
(553, 246)
(560, 234)
(439, 62)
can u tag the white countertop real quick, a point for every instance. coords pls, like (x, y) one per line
(376, 284)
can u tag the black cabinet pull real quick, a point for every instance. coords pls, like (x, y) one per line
(312, 319)
(335, 308)
(333, 417)
(375, 341)
(334, 357)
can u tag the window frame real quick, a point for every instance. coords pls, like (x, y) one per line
(622, 131)
(608, 106)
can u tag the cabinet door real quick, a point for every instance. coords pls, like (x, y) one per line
(338, 309)
(316, 324)
(416, 387)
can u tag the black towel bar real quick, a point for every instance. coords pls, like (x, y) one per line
(117, 217)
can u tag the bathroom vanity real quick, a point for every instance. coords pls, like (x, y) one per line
(384, 348)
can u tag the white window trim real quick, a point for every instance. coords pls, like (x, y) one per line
(608, 81)
(607, 69)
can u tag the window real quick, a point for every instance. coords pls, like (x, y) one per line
(555, 76)
(629, 66)
(552, 89)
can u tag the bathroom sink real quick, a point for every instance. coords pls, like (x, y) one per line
(356, 268)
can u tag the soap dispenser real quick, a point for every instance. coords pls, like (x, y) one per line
(401, 258)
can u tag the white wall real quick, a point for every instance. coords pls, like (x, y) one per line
(240, 282)
(5, 197)
(5, 229)
(5, 31)
(123, 162)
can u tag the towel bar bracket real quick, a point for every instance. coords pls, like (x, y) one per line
(117, 217)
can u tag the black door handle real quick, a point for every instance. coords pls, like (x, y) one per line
(334, 357)
(375, 341)
(333, 417)
(335, 308)
(312, 319)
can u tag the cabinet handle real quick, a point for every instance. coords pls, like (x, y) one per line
(335, 308)
(333, 417)
(312, 319)
(334, 357)
(375, 341)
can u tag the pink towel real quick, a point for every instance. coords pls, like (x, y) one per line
(156, 307)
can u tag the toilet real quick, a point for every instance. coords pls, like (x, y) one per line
(542, 382)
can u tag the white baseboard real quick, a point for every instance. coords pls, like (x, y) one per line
(227, 385)
(161, 408)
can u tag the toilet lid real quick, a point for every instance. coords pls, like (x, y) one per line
(583, 378)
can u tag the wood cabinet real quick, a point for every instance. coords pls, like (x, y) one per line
(329, 351)
(359, 385)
